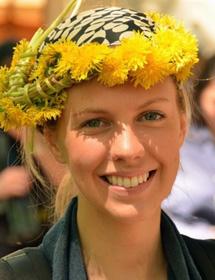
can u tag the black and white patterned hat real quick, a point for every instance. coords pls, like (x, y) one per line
(103, 25)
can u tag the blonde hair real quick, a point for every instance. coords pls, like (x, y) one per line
(185, 100)
(34, 167)
(66, 191)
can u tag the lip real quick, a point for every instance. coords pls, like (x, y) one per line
(127, 192)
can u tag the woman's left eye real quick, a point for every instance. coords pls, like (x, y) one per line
(151, 116)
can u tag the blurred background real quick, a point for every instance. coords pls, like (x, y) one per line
(23, 222)
(20, 18)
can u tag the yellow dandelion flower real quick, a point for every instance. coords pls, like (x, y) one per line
(44, 60)
(134, 50)
(114, 70)
(89, 60)
(38, 115)
(49, 57)
(66, 61)
(165, 21)
(16, 115)
(11, 115)
(3, 109)
(31, 115)
(39, 71)
(4, 74)
(49, 114)
(180, 45)
(169, 41)
(20, 50)
(154, 71)
(6, 103)
(189, 52)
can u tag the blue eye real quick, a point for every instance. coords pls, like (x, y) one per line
(94, 123)
(152, 116)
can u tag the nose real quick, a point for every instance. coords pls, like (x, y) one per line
(126, 146)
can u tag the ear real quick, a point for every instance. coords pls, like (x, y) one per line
(54, 144)
(183, 128)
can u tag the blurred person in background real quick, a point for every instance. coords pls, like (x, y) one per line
(17, 225)
(23, 204)
(14, 181)
(192, 201)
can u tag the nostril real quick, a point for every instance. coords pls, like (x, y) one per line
(127, 156)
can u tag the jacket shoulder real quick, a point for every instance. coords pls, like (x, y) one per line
(28, 263)
(203, 255)
(206, 246)
(6, 273)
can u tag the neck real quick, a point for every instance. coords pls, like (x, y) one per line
(135, 246)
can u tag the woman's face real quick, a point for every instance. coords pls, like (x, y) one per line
(122, 146)
(207, 104)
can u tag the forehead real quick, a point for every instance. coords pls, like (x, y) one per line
(94, 94)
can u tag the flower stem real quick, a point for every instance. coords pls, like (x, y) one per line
(40, 35)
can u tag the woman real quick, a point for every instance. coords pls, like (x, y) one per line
(191, 203)
(123, 119)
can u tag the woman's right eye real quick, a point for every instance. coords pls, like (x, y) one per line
(95, 123)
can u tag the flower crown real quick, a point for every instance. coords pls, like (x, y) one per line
(113, 45)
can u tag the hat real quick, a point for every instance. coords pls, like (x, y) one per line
(112, 45)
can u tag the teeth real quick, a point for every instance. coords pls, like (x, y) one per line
(134, 182)
(146, 177)
(120, 181)
(128, 182)
(141, 179)
(114, 180)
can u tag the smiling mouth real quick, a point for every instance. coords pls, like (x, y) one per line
(128, 182)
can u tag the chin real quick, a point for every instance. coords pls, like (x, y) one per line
(128, 212)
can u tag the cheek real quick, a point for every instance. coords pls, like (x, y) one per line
(171, 148)
(167, 156)
(164, 146)
(84, 154)
(165, 143)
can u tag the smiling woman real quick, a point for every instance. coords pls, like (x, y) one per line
(105, 87)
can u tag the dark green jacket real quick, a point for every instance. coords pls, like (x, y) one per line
(59, 257)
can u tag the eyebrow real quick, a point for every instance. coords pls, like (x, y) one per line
(154, 100)
(100, 111)
(89, 111)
